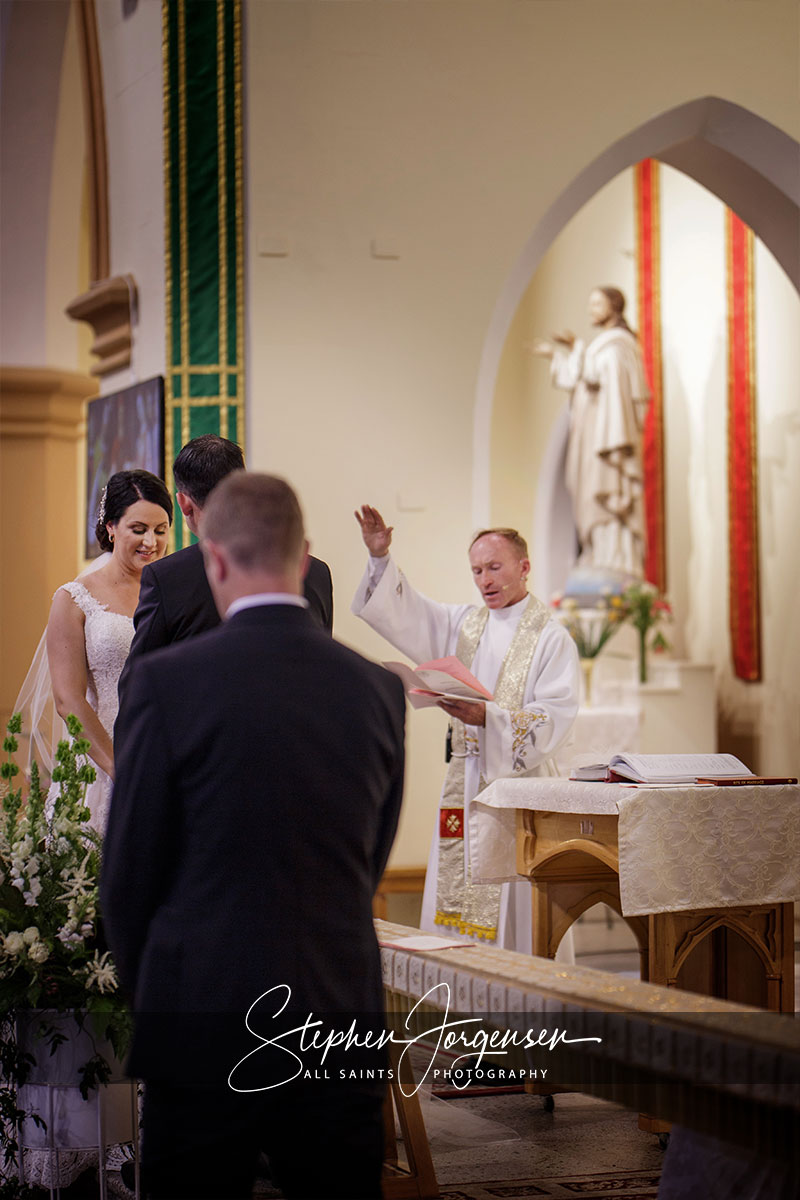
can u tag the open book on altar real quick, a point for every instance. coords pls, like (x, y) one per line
(440, 679)
(668, 768)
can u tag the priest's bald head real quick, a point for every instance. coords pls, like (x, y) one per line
(500, 566)
(253, 538)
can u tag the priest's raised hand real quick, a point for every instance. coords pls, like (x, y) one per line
(376, 533)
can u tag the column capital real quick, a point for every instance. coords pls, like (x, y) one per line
(44, 402)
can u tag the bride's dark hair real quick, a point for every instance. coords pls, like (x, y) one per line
(123, 490)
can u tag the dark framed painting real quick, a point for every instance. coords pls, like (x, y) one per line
(123, 430)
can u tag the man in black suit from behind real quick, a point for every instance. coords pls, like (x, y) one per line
(175, 601)
(258, 787)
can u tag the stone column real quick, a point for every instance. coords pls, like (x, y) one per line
(42, 495)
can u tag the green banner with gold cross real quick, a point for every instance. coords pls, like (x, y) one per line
(204, 389)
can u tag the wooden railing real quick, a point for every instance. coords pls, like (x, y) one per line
(723, 1069)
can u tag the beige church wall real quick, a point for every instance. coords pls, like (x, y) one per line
(597, 247)
(67, 342)
(44, 211)
(39, 45)
(41, 436)
(399, 158)
(44, 356)
(130, 50)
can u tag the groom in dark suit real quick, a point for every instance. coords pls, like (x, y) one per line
(259, 773)
(175, 601)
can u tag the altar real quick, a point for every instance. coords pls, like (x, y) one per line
(705, 877)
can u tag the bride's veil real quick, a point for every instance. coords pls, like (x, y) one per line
(42, 727)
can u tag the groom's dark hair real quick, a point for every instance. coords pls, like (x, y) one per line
(258, 519)
(202, 463)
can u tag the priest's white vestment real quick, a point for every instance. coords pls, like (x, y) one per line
(518, 653)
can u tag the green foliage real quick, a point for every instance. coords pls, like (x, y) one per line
(645, 606)
(51, 949)
(12, 1189)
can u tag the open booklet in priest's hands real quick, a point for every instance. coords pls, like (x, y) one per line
(440, 679)
(670, 768)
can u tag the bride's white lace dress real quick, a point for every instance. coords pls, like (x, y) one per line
(108, 637)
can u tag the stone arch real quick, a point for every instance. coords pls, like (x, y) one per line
(747, 162)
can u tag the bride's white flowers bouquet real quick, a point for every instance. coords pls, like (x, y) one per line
(52, 955)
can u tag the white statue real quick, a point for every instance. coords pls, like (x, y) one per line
(604, 455)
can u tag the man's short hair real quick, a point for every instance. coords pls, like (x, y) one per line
(513, 536)
(202, 463)
(258, 519)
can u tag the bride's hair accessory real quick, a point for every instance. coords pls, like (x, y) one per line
(101, 512)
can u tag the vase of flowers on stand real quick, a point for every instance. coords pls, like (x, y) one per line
(64, 1026)
(590, 628)
(646, 608)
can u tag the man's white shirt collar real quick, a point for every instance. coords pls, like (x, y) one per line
(511, 611)
(258, 599)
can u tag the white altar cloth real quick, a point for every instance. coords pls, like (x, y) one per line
(680, 848)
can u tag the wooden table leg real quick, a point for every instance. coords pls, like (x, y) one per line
(418, 1182)
(741, 954)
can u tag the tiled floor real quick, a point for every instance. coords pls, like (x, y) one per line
(512, 1137)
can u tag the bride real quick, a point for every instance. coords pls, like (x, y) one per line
(85, 645)
(90, 628)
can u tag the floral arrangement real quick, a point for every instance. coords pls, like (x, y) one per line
(52, 955)
(646, 608)
(590, 628)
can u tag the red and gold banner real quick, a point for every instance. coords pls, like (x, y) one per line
(743, 553)
(648, 260)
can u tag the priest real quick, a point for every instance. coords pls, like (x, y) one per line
(527, 661)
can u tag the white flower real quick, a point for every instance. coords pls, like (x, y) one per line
(38, 952)
(31, 935)
(78, 883)
(13, 943)
(101, 973)
(68, 935)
